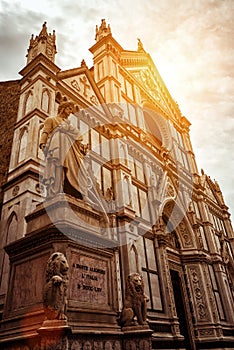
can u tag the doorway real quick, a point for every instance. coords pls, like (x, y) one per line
(180, 308)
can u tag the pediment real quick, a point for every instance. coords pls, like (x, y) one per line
(170, 191)
(140, 65)
(166, 190)
(80, 82)
(211, 191)
(154, 89)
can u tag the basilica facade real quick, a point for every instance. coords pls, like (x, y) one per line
(151, 213)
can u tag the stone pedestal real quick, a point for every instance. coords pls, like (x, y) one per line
(63, 224)
(54, 334)
(73, 228)
(137, 337)
(75, 219)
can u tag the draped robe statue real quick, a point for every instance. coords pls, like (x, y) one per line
(65, 170)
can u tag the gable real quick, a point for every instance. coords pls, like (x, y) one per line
(141, 66)
(210, 191)
(81, 83)
(149, 82)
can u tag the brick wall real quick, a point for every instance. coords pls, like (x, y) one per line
(9, 102)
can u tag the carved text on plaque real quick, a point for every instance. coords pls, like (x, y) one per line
(89, 279)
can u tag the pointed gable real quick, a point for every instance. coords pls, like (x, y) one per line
(212, 191)
(140, 64)
(80, 82)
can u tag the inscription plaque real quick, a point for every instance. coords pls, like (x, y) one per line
(88, 283)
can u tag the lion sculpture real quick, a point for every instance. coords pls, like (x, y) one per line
(134, 302)
(55, 290)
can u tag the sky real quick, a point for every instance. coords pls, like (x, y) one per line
(191, 43)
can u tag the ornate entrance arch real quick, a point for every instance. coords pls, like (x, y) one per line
(175, 240)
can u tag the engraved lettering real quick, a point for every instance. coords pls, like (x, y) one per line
(90, 277)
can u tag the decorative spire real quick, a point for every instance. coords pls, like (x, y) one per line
(43, 31)
(140, 47)
(102, 31)
(83, 64)
(43, 43)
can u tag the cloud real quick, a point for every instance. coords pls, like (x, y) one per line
(191, 44)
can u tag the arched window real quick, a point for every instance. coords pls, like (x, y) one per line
(150, 275)
(12, 228)
(28, 104)
(126, 191)
(217, 292)
(11, 236)
(133, 259)
(40, 153)
(45, 101)
(23, 144)
(123, 153)
(152, 127)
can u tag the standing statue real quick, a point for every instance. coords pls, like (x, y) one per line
(134, 302)
(61, 143)
(55, 290)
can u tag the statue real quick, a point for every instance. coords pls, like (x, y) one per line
(55, 290)
(140, 47)
(61, 143)
(134, 302)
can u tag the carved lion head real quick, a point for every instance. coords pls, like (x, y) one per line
(56, 265)
(135, 284)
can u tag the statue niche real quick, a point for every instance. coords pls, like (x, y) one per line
(55, 289)
(134, 302)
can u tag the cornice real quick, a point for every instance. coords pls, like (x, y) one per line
(133, 58)
(104, 40)
(45, 238)
(31, 81)
(39, 60)
(31, 172)
(109, 78)
(71, 72)
(217, 209)
(35, 112)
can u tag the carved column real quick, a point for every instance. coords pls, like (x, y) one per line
(205, 311)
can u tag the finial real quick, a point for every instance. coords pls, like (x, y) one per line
(83, 64)
(44, 30)
(31, 40)
(44, 44)
(103, 30)
(140, 47)
(103, 24)
(216, 185)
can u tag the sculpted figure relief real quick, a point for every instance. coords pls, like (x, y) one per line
(134, 302)
(55, 290)
(61, 143)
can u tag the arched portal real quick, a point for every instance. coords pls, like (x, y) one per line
(179, 239)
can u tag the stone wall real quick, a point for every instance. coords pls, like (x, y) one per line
(9, 101)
